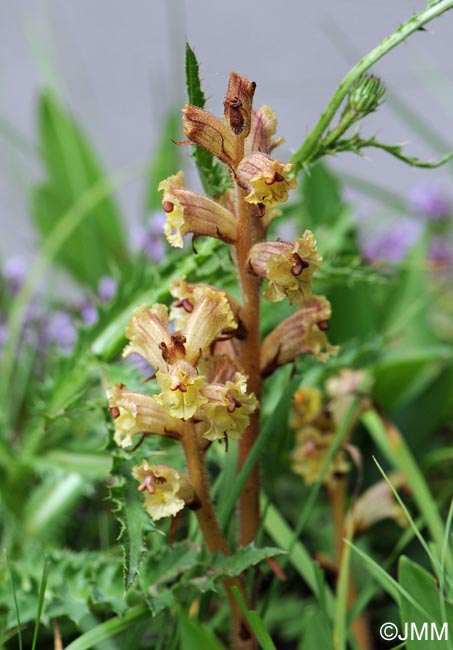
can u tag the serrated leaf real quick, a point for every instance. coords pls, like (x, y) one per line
(133, 519)
(98, 243)
(213, 177)
(245, 557)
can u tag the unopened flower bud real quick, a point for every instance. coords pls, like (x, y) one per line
(366, 95)
(135, 414)
(288, 267)
(298, 334)
(238, 104)
(166, 491)
(189, 212)
(266, 179)
(309, 454)
(209, 132)
(377, 503)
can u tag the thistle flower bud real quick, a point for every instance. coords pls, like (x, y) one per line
(238, 104)
(166, 491)
(288, 267)
(135, 414)
(266, 179)
(209, 132)
(301, 333)
(366, 95)
(189, 212)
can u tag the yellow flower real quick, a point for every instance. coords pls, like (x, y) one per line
(228, 409)
(135, 414)
(210, 319)
(209, 132)
(189, 212)
(266, 179)
(181, 390)
(288, 267)
(301, 333)
(307, 403)
(309, 454)
(147, 330)
(166, 491)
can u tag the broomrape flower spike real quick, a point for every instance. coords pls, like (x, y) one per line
(206, 352)
(166, 491)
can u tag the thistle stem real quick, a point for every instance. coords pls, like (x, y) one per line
(309, 148)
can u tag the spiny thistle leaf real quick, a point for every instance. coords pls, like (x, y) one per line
(213, 178)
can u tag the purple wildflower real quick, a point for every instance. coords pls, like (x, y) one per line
(14, 272)
(148, 239)
(440, 252)
(107, 288)
(140, 364)
(89, 314)
(430, 203)
(391, 245)
(59, 330)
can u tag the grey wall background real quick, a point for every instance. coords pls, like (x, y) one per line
(119, 66)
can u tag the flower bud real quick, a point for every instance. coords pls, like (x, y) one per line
(307, 404)
(366, 95)
(166, 491)
(266, 179)
(189, 212)
(209, 132)
(288, 267)
(238, 104)
(135, 414)
(301, 333)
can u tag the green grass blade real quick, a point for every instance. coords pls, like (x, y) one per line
(16, 605)
(255, 622)
(108, 629)
(42, 593)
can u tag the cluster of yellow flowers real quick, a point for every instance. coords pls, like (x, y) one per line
(197, 358)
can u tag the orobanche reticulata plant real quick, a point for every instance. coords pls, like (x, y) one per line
(208, 355)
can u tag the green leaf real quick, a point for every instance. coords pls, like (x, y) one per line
(131, 515)
(96, 246)
(424, 590)
(108, 629)
(256, 623)
(213, 176)
(245, 557)
(194, 634)
(321, 193)
(317, 631)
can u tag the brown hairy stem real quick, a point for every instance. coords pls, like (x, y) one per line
(250, 232)
(215, 541)
(337, 495)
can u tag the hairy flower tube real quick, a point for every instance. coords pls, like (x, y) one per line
(136, 414)
(188, 212)
(301, 333)
(288, 267)
(166, 491)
